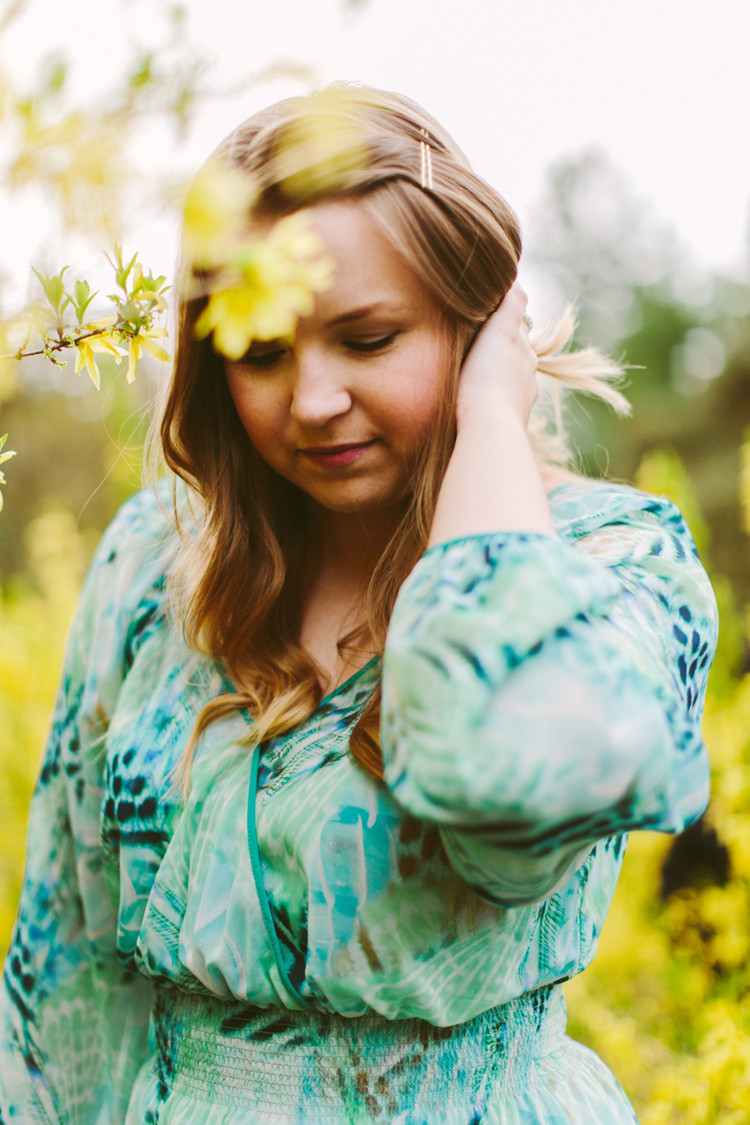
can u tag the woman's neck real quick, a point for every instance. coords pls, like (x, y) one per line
(352, 543)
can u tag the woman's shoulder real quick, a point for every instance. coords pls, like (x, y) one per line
(581, 506)
(122, 602)
(143, 526)
(134, 555)
(643, 535)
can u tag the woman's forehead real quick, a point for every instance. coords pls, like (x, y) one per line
(367, 269)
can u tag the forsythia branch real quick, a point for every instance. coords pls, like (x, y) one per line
(141, 298)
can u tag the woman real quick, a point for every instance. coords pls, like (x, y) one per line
(401, 819)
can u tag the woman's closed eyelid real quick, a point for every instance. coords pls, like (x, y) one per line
(361, 346)
(379, 343)
(261, 359)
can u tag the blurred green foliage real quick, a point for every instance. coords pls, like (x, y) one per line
(684, 334)
(78, 453)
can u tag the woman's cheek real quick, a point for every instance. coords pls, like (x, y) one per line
(258, 413)
(415, 396)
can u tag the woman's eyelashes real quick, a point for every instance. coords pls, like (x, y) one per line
(362, 346)
(262, 359)
(367, 346)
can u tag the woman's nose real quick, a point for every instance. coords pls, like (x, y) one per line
(318, 395)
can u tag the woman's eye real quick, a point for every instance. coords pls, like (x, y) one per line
(261, 359)
(371, 345)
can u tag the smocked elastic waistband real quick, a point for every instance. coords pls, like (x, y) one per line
(308, 1065)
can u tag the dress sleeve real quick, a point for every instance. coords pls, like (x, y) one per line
(541, 694)
(73, 1023)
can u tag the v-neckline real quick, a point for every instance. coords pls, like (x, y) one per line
(349, 681)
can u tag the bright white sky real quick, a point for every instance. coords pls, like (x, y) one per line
(662, 86)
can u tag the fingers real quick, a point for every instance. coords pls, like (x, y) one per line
(519, 290)
(522, 300)
(515, 301)
(510, 316)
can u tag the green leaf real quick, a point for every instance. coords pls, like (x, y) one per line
(81, 290)
(123, 271)
(152, 284)
(142, 74)
(43, 279)
(55, 291)
(56, 73)
(52, 286)
(83, 298)
(131, 314)
(5, 456)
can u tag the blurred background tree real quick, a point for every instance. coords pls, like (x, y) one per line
(684, 333)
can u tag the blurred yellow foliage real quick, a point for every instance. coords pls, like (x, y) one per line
(33, 626)
(666, 1002)
(662, 473)
(321, 147)
(214, 213)
(78, 158)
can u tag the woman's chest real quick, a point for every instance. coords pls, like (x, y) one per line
(147, 759)
(365, 904)
(341, 862)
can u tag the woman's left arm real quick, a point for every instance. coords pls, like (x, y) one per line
(540, 695)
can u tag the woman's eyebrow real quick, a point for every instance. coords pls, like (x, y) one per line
(364, 310)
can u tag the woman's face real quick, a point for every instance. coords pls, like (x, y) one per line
(344, 409)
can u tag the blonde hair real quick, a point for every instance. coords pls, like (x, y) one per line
(240, 573)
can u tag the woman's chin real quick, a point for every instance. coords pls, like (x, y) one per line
(348, 497)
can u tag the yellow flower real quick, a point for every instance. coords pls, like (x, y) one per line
(144, 342)
(102, 343)
(214, 213)
(322, 147)
(276, 279)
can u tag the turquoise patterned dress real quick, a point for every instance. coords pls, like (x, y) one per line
(310, 945)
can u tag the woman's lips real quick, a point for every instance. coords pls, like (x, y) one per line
(336, 456)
